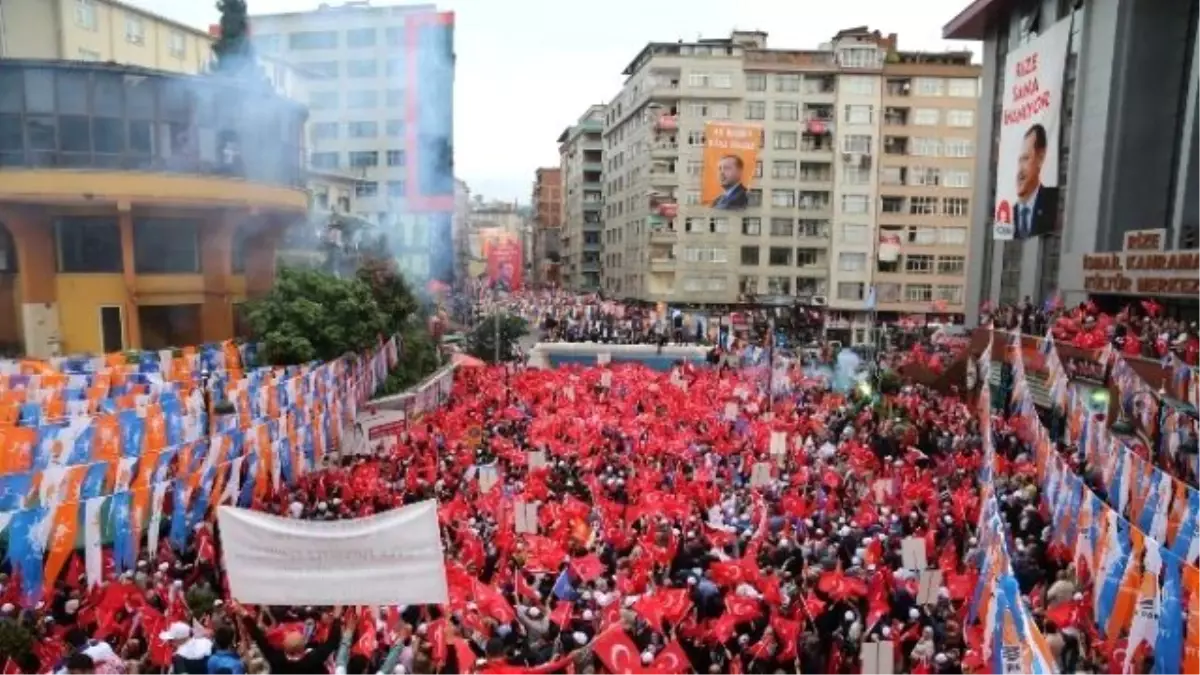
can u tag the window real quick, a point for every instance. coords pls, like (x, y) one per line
(691, 197)
(952, 295)
(695, 167)
(396, 158)
(922, 206)
(850, 290)
(721, 81)
(918, 293)
(963, 87)
(88, 55)
(860, 114)
(323, 70)
(756, 110)
(364, 158)
(787, 112)
(859, 143)
(809, 286)
(324, 160)
(854, 233)
(927, 117)
(362, 68)
(918, 264)
(858, 85)
(951, 265)
(395, 188)
(394, 67)
(854, 204)
(957, 178)
(360, 37)
(698, 79)
(85, 14)
(952, 236)
(782, 227)
(314, 39)
(363, 98)
(784, 198)
(88, 245)
(719, 111)
(855, 175)
(958, 147)
(750, 255)
(112, 329)
(366, 188)
(808, 257)
(177, 44)
(956, 206)
(779, 285)
(323, 100)
(752, 227)
(394, 128)
(891, 204)
(929, 86)
(891, 175)
(754, 197)
(135, 30)
(780, 255)
(166, 246)
(960, 118)
(366, 129)
(756, 81)
(923, 236)
(788, 82)
(812, 228)
(693, 224)
(852, 262)
(783, 169)
(887, 292)
(928, 176)
(394, 36)
(695, 138)
(926, 147)
(860, 57)
(269, 43)
(784, 140)
(718, 225)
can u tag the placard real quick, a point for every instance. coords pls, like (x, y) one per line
(569, 392)
(931, 583)
(912, 553)
(526, 518)
(487, 477)
(878, 657)
(606, 379)
(392, 558)
(778, 444)
(731, 411)
(604, 358)
(536, 459)
(761, 474)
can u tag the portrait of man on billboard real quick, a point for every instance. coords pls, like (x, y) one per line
(733, 195)
(1036, 207)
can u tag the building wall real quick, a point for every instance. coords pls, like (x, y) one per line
(583, 235)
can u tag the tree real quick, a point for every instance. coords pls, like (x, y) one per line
(481, 341)
(313, 315)
(390, 290)
(232, 48)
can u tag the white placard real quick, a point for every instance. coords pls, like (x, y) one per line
(536, 459)
(606, 379)
(569, 392)
(487, 478)
(731, 411)
(778, 444)
(912, 553)
(882, 489)
(393, 558)
(931, 583)
(378, 430)
(878, 657)
(715, 516)
(604, 358)
(526, 518)
(760, 474)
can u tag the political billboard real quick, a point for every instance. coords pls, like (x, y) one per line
(730, 157)
(1027, 190)
(504, 258)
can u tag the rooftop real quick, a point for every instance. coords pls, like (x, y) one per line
(972, 22)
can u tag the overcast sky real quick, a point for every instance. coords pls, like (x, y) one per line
(529, 68)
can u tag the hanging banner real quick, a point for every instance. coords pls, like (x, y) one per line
(730, 158)
(889, 247)
(393, 558)
(1027, 157)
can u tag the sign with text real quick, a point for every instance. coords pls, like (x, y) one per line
(1027, 158)
(1143, 267)
(393, 558)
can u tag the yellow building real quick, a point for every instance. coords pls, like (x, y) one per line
(137, 208)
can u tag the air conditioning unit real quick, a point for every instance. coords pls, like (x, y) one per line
(820, 300)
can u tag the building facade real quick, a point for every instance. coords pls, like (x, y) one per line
(136, 210)
(1127, 153)
(582, 157)
(381, 107)
(854, 134)
(547, 224)
(491, 221)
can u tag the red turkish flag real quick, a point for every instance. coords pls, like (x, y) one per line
(562, 613)
(588, 567)
(650, 608)
(672, 660)
(742, 609)
(617, 652)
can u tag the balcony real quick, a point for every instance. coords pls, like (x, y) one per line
(667, 123)
(898, 87)
(592, 204)
(662, 177)
(895, 145)
(817, 145)
(663, 235)
(664, 148)
(895, 117)
(592, 167)
(662, 263)
(815, 175)
(593, 246)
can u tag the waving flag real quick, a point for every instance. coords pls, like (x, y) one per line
(1144, 627)
(1112, 551)
(27, 536)
(125, 533)
(1168, 643)
(1184, 546)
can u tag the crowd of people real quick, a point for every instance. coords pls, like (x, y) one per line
(661, 547)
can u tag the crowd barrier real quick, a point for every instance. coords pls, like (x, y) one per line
(1137, 541)
(114, 478)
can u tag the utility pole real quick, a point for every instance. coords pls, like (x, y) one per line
(771, 363)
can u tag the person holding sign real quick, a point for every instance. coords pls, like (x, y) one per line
(295, 656)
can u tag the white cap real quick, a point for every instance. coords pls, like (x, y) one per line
(580, 637)
(588, 615)
(177, 631)
(647, 657)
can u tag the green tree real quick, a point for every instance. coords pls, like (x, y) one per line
(481, 341)
(391, 292)
(313, 315)
(232, 48)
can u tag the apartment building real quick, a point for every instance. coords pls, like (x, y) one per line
(584, 237)
(547, 224)
(836, 142)
(381, 107)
